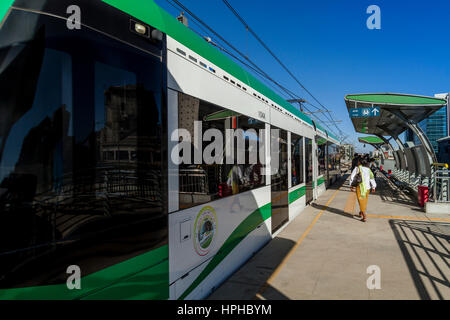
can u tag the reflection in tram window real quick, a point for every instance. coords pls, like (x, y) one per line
(309, 170)
(321, 155)
(279, 180)
(279, 177)
(296, 159)
(201, 182)
(76, 183)
(333, 157)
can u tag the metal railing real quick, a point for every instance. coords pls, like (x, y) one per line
(193, 181)
(441, 184)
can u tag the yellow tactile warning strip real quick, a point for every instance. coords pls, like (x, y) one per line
(406, 218)
(350, 204)
(349, 208)
(299, 241)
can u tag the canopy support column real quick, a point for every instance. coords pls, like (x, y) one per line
(393, 136)
(399, 142)
(419, 133)
(386, 141)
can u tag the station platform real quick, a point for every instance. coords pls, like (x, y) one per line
(326, 251)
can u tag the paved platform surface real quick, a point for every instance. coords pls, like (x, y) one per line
(325, 252)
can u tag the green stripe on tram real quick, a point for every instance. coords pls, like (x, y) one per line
(296, 194)
(320, 181)
(248, 225)
(4, 7)
(143, 277)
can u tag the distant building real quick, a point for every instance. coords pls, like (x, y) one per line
(347, 151)
(435, 127)
(446, 96)
(443, 153)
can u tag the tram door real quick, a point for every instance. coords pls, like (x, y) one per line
(309, 170)
(279, 181)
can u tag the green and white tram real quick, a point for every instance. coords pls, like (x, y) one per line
(96, 97)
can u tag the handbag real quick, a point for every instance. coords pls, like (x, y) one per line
(358, 179)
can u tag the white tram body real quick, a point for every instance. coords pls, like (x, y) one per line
(93, 117)
(188, 75)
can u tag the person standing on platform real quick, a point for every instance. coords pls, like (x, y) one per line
(367, 182)
(355, 161)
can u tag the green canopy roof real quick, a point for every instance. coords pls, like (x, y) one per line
(222, 114)
(391, 105)
(395, 99)
(371, 140)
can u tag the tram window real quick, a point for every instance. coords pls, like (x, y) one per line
(202, 182)
(181, 51)
(279, 178)
(321, 155)
(75, 103)
(333, 158)
(296, 159)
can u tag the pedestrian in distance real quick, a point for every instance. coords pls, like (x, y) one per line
(355, 161)
(363, 180)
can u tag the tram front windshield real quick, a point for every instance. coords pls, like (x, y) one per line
(80, 148)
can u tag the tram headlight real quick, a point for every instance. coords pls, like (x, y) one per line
(141, 29)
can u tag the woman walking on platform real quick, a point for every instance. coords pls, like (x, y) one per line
(363, 179)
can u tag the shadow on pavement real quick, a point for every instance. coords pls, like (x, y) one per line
(425, 247)
(247, 282)
(271, 293)
(343, 187)
(334, 210)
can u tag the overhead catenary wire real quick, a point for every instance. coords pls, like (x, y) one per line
(249, 29)
(252, 65)
(249, 64)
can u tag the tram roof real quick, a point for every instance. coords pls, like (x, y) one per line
(149, 12)
(411, 107)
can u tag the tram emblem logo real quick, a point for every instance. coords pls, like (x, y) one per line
(205, 228)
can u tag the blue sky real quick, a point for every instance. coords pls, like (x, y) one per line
(328, 47)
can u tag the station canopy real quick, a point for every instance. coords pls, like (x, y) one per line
(374, 141)
(381, 113)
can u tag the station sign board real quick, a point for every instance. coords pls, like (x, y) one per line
(365, 112)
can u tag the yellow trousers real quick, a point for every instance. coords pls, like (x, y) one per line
(362, 201)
